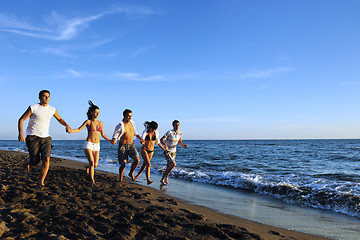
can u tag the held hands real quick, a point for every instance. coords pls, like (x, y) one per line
(68, 129)
(113, 141)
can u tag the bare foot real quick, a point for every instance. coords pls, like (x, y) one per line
(27, 165)
(132, 177)
(149, 182)
(163, 182)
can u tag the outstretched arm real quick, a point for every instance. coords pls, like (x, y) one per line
(26, 114)
(62, 122)
(81, 127)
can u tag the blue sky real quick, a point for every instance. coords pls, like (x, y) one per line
(232, 69)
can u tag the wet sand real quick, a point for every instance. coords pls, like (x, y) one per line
(69, 207)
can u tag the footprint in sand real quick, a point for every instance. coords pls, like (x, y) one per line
(171, 201)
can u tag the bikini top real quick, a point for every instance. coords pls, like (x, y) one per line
(92, 129)
(147, 137)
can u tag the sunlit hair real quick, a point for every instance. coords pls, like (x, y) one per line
(126, 111)
(153, 125)
(42, 92)
(91, 109)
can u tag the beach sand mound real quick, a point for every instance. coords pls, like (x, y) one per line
(69, 207)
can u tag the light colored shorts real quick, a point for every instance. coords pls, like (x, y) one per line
(126, 150)
(92, 146)
(170, 157)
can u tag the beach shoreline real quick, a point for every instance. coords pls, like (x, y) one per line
(109, 210)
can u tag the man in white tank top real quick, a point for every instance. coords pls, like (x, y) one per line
(38, 139)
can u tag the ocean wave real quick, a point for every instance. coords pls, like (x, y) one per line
(16, 149)
(338, 196)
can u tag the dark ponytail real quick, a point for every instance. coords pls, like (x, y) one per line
(151, 124)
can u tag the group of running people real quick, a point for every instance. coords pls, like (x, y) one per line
(38, 140)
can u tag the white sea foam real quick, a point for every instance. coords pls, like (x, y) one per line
(312, 192)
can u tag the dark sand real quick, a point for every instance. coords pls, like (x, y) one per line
(69, 207)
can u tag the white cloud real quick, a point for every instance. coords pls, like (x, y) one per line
(59, 28)
(228, 119)
(7, 23)
(140, 77)
(264, 73)
(58, 51)
(221, 75)
(141, 51)
(137, 77)
(118, 76)
(350, 84)
(78, 74)
(69, 51)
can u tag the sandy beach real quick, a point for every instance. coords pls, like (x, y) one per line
(69, 207)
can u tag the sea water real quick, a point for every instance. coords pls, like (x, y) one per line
(310, 174)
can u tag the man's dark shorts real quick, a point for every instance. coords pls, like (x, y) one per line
(126, 150)
(38, 148)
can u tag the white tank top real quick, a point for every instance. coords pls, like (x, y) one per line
(39, 122)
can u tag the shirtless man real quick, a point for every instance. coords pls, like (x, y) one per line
(125, 131)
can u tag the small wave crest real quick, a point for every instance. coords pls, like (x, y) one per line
(312, 192)
(16, 149)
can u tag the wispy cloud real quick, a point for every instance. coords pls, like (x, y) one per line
(59, 51)
(59, 28)
(71, 73)
(79, 74)
(137, 77)
(264, 73)
(141, 51)
(141, 77)
(68, 50)
(226, 119)
(350, 84)
(231, 76)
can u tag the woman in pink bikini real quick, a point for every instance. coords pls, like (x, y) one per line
(92, 143)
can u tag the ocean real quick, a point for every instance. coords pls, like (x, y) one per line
(310, 174)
